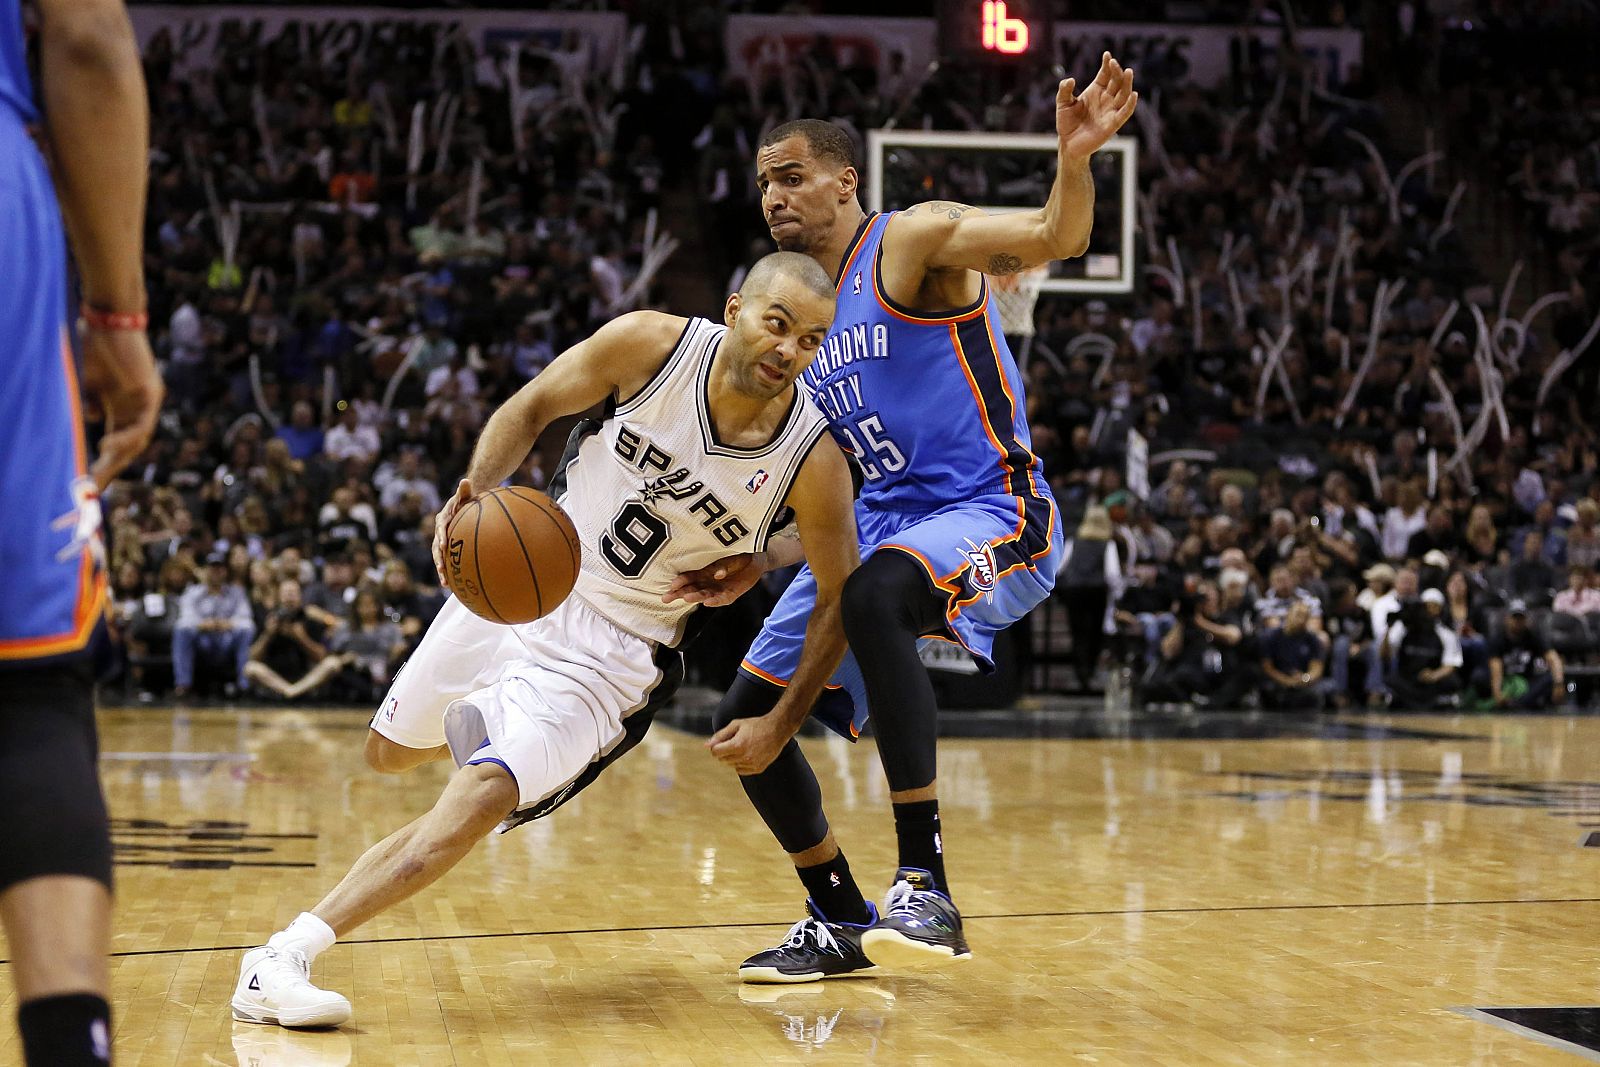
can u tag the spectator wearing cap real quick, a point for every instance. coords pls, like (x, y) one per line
(1426, 655)
(1580, 597)
(1434, 570)
(214, 625)
(1523, 671)
(1292, 661)
(1380, 579)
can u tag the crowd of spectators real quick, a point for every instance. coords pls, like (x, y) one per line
(1359, 492)
(353, 253)
(1372, 475)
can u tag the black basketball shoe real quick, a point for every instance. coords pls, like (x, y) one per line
(814, 949)
(920, 925)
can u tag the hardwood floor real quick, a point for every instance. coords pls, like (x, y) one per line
(1305, 895)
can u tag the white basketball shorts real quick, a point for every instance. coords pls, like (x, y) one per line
(581, 694)
(459, 653)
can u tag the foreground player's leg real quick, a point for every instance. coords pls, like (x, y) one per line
(888, 605)
(827, 943)
(390, 757)
(275, 980)
(55, 866)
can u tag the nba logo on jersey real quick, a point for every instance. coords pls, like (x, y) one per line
(757, 480)
(981, 558)
(856, 285)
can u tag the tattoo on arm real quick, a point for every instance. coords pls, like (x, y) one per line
(947, 208)
(1004, 263)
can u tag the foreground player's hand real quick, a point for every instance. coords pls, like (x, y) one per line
(749, 745)
(441, 526)
(719, 584)
(1086, 122)
(122, 386)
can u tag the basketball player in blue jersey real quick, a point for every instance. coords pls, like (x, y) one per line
(55, 847)
(959, 534)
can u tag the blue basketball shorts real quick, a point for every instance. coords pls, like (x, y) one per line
(993, 558)
(51, 584)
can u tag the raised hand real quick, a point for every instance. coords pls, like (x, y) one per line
(1086, 122)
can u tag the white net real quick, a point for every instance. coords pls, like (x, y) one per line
(1014, 297)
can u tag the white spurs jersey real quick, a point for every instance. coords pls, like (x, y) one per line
(653, 493)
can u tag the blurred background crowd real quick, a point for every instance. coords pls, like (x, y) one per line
(1366, 386)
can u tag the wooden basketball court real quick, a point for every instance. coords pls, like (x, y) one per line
(1299, 893)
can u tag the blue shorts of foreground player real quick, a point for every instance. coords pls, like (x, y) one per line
(994, 558)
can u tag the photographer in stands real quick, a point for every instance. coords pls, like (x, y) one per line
(1201, 657)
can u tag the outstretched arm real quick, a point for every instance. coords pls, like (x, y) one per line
(618, 359)
(824, 508)
(946, 236)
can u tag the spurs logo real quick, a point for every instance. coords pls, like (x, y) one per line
(982, 575)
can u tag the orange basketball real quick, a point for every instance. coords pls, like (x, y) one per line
(512, 555)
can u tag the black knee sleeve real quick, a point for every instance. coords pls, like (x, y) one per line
(52, 813)
(888, 604)
(786, 793)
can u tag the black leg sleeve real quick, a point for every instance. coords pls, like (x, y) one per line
(888, 604)
(786, 793)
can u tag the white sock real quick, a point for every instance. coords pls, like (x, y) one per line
(307, 933)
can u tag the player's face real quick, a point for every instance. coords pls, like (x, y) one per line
(801, 196)
(775, 335)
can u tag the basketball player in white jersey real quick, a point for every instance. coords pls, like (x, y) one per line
(705, 439)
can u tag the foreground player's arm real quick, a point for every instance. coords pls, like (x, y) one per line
(98, 122)
(617, 360)
(946, 236)
(825, 511)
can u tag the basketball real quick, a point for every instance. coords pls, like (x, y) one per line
(512, 555)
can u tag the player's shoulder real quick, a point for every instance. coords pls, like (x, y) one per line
(646, 331)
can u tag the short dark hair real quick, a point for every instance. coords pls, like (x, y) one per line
(825, 140)
(801, 268)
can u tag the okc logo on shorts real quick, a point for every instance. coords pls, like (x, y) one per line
(980, 558)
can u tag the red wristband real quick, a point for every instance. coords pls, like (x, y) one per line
(96, 319)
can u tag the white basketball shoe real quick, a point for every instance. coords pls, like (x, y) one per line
(275, 987)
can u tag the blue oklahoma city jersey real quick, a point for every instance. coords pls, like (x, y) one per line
(51, 585)
(932, 408)
(929, 404)
(16, 94)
